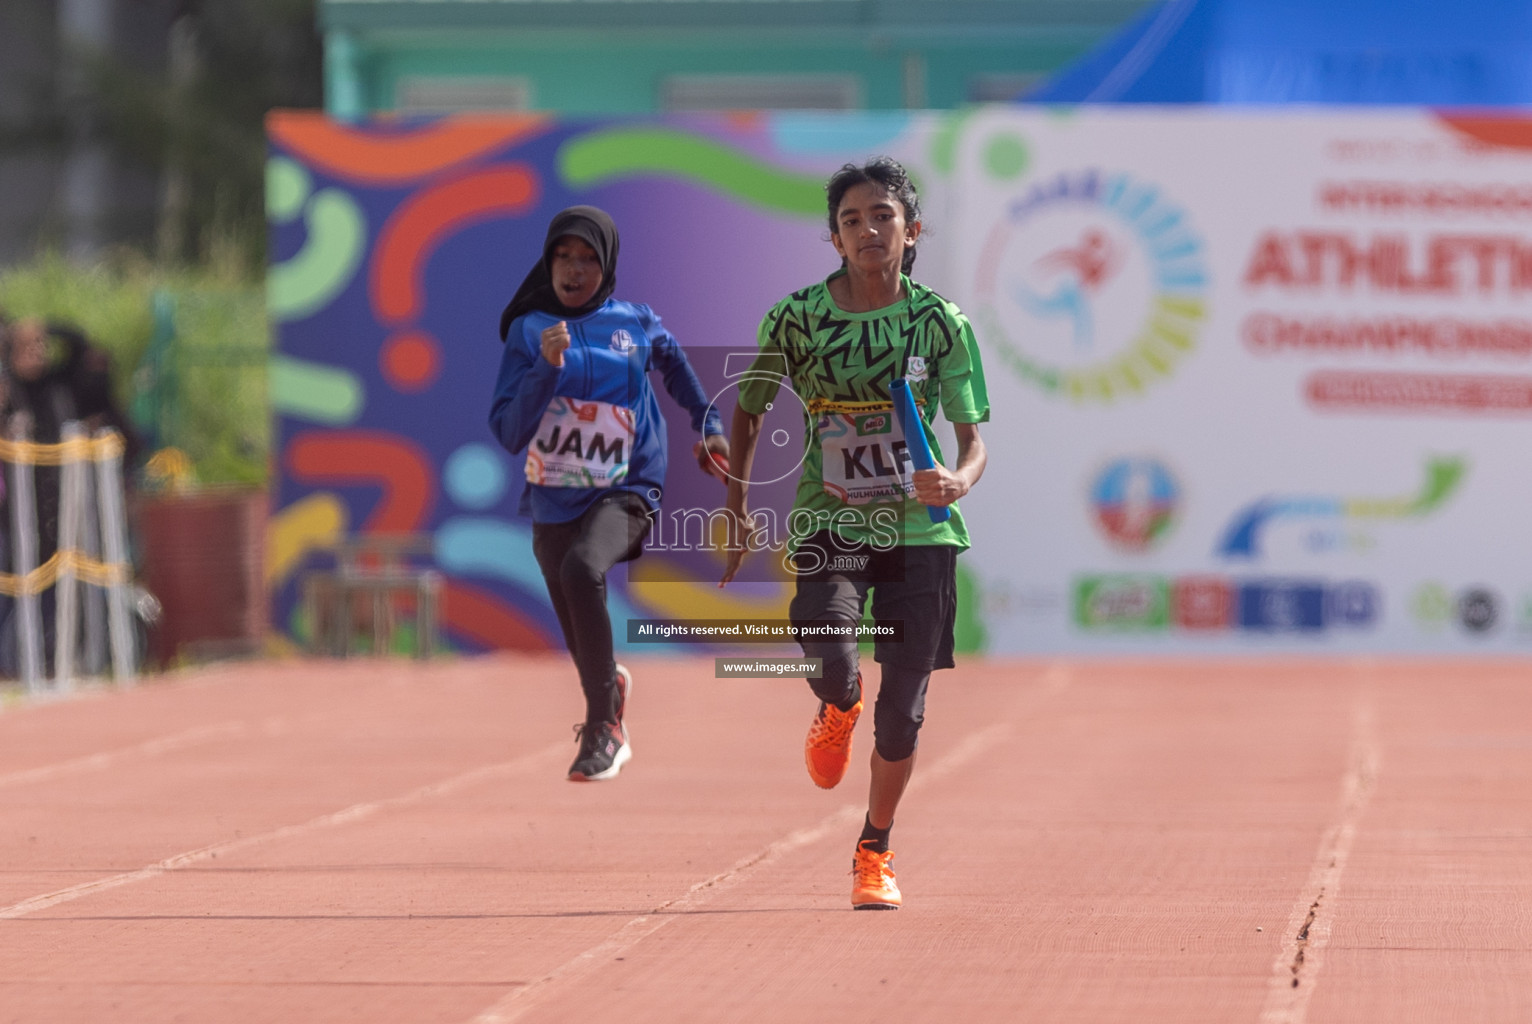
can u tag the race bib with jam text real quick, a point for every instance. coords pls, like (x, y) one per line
(581, 444)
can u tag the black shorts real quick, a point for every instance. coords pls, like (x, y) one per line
(916, 585)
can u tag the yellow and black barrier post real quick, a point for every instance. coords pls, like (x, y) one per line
(81, 522)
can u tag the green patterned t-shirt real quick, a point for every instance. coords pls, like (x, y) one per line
(841, 364)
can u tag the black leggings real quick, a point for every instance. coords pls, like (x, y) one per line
(913, 585)
(575, 557)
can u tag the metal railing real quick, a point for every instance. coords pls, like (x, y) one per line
(89, 571)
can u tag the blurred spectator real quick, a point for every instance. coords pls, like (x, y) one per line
(56, 375)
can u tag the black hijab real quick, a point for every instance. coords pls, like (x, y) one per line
(595, 229)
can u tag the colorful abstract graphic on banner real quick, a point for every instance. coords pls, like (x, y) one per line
(1262, 381)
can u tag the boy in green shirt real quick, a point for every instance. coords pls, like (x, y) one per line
(860, 518)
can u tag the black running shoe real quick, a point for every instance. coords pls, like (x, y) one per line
(603, 751)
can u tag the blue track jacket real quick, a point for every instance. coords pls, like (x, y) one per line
(611, 350)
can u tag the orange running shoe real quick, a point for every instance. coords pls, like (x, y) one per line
(827, 751)
(873, 886)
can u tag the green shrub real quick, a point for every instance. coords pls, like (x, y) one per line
(210, 401)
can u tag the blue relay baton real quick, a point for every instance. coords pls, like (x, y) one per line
(915, 438)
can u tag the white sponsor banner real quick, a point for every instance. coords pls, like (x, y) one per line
(1261, 381)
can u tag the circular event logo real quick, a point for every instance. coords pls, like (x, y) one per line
(1478, 609)
(1091, 285)
(1432, 605)
(1135, 502)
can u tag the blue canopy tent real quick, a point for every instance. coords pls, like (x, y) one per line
(1440, 53)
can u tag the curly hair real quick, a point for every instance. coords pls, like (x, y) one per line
(882, 172)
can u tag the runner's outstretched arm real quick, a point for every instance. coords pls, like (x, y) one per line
(745, 431)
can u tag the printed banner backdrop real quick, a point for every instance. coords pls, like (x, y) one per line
(1261, 380)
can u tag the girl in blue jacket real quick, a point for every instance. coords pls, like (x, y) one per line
(574, 394)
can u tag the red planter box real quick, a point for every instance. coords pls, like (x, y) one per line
(202, 555)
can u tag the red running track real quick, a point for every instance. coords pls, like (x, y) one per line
(1086, 841)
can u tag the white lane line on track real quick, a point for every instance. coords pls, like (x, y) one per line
(519, 1001)
(1295, 974)
(106, 759)
(515, 1003)
(346, 816)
